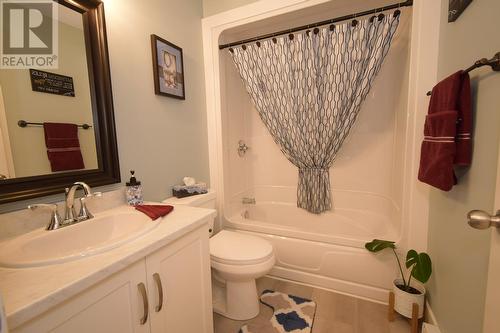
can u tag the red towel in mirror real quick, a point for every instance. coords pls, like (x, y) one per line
(447, 132)
(63, 146)
(155, 211)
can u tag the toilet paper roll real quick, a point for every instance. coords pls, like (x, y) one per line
(189, 181)
(3, 319)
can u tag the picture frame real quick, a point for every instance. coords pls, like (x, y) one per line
(168, 68)
(456, 8)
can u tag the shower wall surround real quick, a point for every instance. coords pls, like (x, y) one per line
(371, 160)
(308, 88)
(366, 177)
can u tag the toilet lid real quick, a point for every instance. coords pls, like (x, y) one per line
(239, 249)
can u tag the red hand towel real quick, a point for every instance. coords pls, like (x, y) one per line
(438, 150)
(447, 131)
(154, 211)
(464, 126)
(63, 146)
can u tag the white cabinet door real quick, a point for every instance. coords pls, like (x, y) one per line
(183, 270)
(113, 305)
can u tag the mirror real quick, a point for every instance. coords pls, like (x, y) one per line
(57, 124)
(32, 96)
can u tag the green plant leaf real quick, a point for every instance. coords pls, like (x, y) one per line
(421, 265)
(377, 245)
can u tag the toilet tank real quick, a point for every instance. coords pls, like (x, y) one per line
(201, 200)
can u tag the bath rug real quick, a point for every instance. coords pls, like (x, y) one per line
(291, 314)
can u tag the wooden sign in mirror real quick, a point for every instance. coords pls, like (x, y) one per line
(57, 124)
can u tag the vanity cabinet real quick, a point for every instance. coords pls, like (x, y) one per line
(181, 274)
(167, 291)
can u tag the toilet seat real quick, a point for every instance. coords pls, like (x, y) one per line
(234, 248)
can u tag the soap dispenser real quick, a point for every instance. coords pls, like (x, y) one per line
(134, 191)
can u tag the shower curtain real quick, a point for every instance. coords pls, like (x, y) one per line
(308, 88)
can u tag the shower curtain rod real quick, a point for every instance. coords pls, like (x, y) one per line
(374, 11)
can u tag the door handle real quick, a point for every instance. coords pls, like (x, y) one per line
(142, 290)
(157, 279)
(479, 219)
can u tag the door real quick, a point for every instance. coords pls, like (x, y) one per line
(6, 162)
(492, 307)
(113, 305)
(179, 285)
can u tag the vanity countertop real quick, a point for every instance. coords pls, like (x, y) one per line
(29, 292)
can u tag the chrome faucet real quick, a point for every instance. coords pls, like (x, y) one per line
(70, 216)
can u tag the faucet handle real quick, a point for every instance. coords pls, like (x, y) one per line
(84, 213)
(55, 219)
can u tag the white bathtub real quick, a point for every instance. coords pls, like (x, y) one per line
(326, 250)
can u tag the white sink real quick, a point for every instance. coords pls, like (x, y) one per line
(104, 232)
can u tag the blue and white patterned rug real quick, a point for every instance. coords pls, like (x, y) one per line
(291, 314)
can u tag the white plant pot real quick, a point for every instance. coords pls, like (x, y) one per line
(403, 301)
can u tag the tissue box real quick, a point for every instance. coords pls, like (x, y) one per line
(182, 191)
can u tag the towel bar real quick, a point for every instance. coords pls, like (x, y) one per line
(24, 123)
(494, 63)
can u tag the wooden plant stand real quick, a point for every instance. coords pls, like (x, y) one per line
(414, 322)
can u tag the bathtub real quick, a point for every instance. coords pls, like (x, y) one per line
(325, 250)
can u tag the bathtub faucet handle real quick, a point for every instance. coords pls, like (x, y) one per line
(242, 148)
(248, 201)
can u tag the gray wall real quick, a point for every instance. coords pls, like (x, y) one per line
(162, 138)
(212, 7)
(460, 253)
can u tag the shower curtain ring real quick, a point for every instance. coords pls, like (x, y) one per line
(397, 12)
(374, 16)
(354, 22)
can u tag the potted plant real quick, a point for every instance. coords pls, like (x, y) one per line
(405, 292)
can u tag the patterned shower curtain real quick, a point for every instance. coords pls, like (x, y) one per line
(308, 88)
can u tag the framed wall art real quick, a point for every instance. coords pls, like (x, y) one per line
(168, 68)
(456, 8)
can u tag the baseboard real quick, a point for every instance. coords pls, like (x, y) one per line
(428, 328)
(431, 324)
(429, 315)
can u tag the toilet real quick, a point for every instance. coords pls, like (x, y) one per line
(237, 260)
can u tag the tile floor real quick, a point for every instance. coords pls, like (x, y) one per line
(335, 313)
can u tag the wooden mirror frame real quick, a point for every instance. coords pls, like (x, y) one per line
(108, 171)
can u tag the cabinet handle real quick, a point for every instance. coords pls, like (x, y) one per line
(142, 290)
(157, 279)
